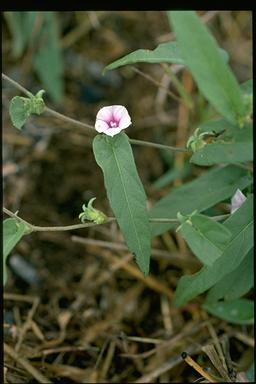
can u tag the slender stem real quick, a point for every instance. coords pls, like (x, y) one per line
(16, 85)
(11, 214)
(88, 126)
(156, 145)
(157, 83)
(36, 228)
(68, 119)
(47, 109)
(186, 98)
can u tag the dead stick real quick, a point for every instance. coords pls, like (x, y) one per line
(26, 364)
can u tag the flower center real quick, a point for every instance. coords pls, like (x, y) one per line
(112, 124)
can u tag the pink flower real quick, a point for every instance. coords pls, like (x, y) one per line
(237, 200)
(111, 120)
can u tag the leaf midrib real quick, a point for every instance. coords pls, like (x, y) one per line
(126, 197)
(209, 240)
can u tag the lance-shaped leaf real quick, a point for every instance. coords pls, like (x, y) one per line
(206, 237)
(212, 75)
(205, 191)
(125, 193)
(238, 311)
(240, 223)
(12, 233)
(164, 53)
(20, 24)
(235, 284)
(47, 58)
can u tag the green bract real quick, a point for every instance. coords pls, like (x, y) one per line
(92, 214)
(22, 107)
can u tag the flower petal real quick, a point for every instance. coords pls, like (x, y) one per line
(105, 114)
(237, 200)
(122, 116)
(113, 131)
(101, 125)
(112, 119)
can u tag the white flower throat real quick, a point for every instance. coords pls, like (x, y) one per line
(113, 124)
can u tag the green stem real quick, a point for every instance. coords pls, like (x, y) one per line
(180, 88)
(156, 145)
(36, 228)
(17, 85)
(89, 127)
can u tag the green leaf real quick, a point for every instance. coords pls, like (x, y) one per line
(19, 111)
(247, 87)
(239, 311)
(170, 176)
(233, 146)
(240, 223)
(12, 233)
(206, 237)
(47, 59)
(20, 24)
(22, 107)
(234, 284)
(212, 75)
(164, 53)
(202, 193)
(250, 373)
(125, 193)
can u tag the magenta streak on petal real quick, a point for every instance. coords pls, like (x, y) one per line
(108, 121)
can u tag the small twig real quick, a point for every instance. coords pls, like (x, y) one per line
(27, 323)
(146, 340)
(197, 367)
(172, 257)
(26, 364)
(166, 366)
(157, 83)
(17, 297)
(108, 360)
(150, 281)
